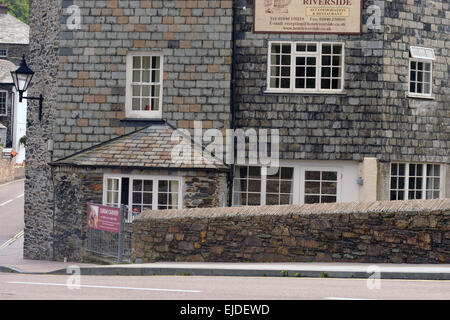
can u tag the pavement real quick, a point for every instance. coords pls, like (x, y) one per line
(11, 259)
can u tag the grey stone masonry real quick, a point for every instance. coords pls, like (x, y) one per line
(372, 117)
(39, 178)
(194, 38)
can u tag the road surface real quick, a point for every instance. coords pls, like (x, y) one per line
(11, 210)
(47, 287)
(17, 286)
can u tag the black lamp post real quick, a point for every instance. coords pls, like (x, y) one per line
(22, 80)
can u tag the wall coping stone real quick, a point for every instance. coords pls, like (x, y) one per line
(379, 207)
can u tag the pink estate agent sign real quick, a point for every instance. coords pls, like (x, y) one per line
(104, 218)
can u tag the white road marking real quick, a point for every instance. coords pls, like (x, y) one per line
(336, 298)
(104, 287)
(5, 203)
(20, 196)
(12, 240)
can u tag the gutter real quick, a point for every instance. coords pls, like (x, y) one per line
(233, 98)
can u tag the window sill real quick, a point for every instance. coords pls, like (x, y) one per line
(139, 122)
(416, 96)
(340, 92)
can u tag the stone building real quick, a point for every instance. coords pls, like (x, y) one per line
(362, 116)
(14, 44)
(14, 36)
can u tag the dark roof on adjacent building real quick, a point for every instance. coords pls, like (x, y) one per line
(13, 31)
(150, 147)
(5, 71)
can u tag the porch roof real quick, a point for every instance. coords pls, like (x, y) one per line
(150, 148)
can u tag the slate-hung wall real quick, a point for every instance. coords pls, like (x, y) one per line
(195, 40)
(372, 117)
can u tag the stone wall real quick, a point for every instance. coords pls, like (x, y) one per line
(6, 169)
(76, 187)
(416, 231)
(43, 60)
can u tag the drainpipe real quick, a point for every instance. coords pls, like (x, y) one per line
(236, 7)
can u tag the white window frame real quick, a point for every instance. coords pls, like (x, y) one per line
(154, 178)
(129, 112)
(5, 53)
(421, 55)
(424, 179)
(321, 169)
(318, 56)
(263, 180)
(6, 103)
(298, 188)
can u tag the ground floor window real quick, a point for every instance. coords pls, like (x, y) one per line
(252, 188)
(320, 186)
(142, 193)
(415, 181)
(290, 185)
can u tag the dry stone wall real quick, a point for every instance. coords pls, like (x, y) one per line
(415, 231)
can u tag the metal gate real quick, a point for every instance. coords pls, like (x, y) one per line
(110, 244)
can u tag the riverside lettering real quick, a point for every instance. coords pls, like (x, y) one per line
(328, 2)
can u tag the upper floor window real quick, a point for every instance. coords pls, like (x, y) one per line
(415, 181)
(144, 85)
(421, 71)
(3, 100)
(305, 67)
(3, 53)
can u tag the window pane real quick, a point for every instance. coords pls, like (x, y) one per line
(136, 76)
(147, 198)
(254, 199)
(276, 48)
(312, 175)
(301, 47)
(329, 188)
(146, 62)
(336, 60)
(148, 185)
(326, 83)
(312, 187)
(137, 185)
(136, 104)
(337, 49)
(286, 48)
(312, 199)
(328, 199)
(272, 199)
(310, 83)
(136, 62)
(287, 173)
(146, 76)
(137, 197)
(326, 49)
(163, 186)
(326, 60)
(286, 60)
(254, 185)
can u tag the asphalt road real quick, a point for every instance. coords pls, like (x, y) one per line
(30, 287)
(11, 210)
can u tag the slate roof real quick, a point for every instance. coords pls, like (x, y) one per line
(150, 147)
(5, 71)
(12, 30)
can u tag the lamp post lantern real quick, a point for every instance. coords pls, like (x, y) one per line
(22, 79)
